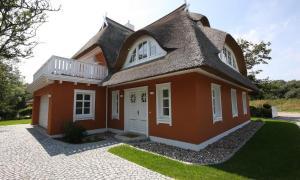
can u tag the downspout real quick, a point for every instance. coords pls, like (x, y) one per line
(106, 98)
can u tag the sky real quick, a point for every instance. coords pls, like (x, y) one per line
(276, 21)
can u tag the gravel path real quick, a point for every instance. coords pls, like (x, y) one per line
(26, 153)
(217, 152)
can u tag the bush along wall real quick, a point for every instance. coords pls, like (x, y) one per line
(261, 111)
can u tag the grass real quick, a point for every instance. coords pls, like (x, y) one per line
(14, 122)
(272, 153)
(287, 105)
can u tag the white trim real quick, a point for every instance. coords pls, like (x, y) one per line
(116, 131)
(126, 91)
(244, 102)
(159, 116)
(197, 70)
(90, 116)
(114, 114)
(234, 106)
(196, 147)
(135, 47)
(224, 59)
(216, 87)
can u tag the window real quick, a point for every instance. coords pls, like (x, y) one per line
(234, 103)
(163, 103)
(144, 49)
(244, 99)
(84, 104)
(115, 104)
(133, 56)
(227, 56)
(152, 49)
(216, 102)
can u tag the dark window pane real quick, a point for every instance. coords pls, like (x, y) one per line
(87, 97)
(78, 110)
(166, 103)
(165, 93)
(78, 104)
(166, 111)
(87, 104)
(79, 96)
(86, 110)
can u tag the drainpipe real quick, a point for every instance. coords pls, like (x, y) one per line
(106, 98)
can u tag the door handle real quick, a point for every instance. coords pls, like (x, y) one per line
(138, 112)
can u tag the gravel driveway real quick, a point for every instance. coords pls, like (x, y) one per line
(26, 153)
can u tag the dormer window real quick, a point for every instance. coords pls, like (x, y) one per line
(227, 56)
(143, 50)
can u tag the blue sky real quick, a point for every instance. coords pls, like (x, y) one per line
(269, 20)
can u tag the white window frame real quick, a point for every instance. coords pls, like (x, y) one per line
(234, 107)
(160, 118)
(115, 112)
(218, 88)
(244, 101)
(225, 60)
(91, 115)
(159, 52)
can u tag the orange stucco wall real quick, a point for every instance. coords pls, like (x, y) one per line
(61, 106)
(191, 108)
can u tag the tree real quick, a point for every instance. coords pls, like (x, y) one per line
(255, 54)
(19, 21)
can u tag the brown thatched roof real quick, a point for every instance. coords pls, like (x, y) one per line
(190, 43)
(109, 38)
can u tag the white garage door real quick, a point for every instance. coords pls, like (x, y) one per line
(43, 116)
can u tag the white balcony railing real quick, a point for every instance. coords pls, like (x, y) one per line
(69, 67)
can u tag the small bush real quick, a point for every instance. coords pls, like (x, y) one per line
(267, 106)
(74, 132)
(25, 112)
(261, 112)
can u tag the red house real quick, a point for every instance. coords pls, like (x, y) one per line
(178, 81)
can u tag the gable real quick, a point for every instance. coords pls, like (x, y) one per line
(143, 50)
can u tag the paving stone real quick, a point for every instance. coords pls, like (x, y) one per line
(26, 153)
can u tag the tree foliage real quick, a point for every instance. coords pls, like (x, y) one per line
(255, 54)
(19, 21)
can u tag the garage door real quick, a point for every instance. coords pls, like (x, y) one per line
(43, 116)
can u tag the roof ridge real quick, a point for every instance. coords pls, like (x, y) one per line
(121, 25)
(183, 6)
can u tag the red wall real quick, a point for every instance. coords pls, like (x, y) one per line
(191, 108)
(61, 106)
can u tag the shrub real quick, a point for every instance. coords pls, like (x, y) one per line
(267, 106)
(74, 132)
(25, 111)
(261, 112)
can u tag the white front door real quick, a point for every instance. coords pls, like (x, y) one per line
(136, 110)
(43, 114)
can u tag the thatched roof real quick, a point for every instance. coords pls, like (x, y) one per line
(109, 38)
(190, 43)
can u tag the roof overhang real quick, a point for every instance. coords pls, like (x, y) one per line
(44, 81)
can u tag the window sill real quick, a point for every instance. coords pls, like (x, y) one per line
(84, 118)
(217, 119)
(234, 116)
(164, 121)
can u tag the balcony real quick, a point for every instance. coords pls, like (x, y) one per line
(58, 66)
(63, 69)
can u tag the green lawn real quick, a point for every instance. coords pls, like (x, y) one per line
(14, 122)
(272, 153)
(287, 105)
